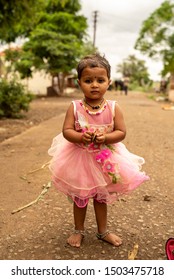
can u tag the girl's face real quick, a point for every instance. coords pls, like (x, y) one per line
(94, 82)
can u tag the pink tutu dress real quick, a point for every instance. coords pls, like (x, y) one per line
(102, 172)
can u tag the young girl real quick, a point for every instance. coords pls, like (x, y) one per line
(89, 160)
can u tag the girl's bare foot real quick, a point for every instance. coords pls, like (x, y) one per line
(110, 238)
(76, 238)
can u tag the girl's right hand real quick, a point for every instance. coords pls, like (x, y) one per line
(87, 137)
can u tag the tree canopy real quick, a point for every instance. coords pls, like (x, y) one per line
(156, 37)
(17, 18)
(135, 69)
(55, 41)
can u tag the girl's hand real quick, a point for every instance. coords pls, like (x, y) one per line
(87, 137)
(100, 138)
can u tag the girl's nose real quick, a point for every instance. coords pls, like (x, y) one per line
(94, 84)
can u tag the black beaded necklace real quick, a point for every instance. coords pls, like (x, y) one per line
(94, 107)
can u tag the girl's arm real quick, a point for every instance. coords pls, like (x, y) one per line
(69, 131)
(119, 132)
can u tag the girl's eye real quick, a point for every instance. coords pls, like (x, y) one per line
(101, 81)
(87, 81)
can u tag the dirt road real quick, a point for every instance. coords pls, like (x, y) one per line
(39, 231)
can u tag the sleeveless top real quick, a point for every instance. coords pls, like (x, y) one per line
(101, 121)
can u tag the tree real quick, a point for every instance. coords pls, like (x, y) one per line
(17, 18)
(57, 42)
(156, 37)
(135, 69)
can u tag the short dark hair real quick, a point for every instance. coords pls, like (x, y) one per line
(93, 60)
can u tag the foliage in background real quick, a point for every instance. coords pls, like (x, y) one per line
(55, 42)
(156, 37)
(18, 61)
(13, 98)
(18, 17)
(136, 70)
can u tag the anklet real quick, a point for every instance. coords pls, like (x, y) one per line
(77, 231)
(102, 235)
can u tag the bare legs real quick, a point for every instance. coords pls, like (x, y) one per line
(75, 239)
(101, 219)
(100, 209)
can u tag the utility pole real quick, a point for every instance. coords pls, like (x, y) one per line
(95, 26)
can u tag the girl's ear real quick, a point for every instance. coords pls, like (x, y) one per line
(109, 83)
(78, 81)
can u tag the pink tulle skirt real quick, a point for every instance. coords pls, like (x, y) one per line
(77, 173)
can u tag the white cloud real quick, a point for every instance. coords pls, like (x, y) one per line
(118, 26)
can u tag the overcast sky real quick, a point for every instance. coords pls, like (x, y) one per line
(118, 26)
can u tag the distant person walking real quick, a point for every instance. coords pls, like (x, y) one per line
(119, 85)
(163, 86)
(125, 85)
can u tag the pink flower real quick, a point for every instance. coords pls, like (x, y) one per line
(108, 167)
(106, 153)
(103, 155)
(94, 147)
(91, 129)
(77, 125)
(84, 129)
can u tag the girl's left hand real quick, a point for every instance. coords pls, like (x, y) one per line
(100, 138)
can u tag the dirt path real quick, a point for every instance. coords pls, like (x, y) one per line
(40, 231)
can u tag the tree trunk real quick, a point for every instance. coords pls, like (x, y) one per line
(55, 84)
(1, 67)
(58, 85)
(171, 88)
(61, 82)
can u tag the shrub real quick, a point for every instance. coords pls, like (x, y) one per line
(14, 98)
